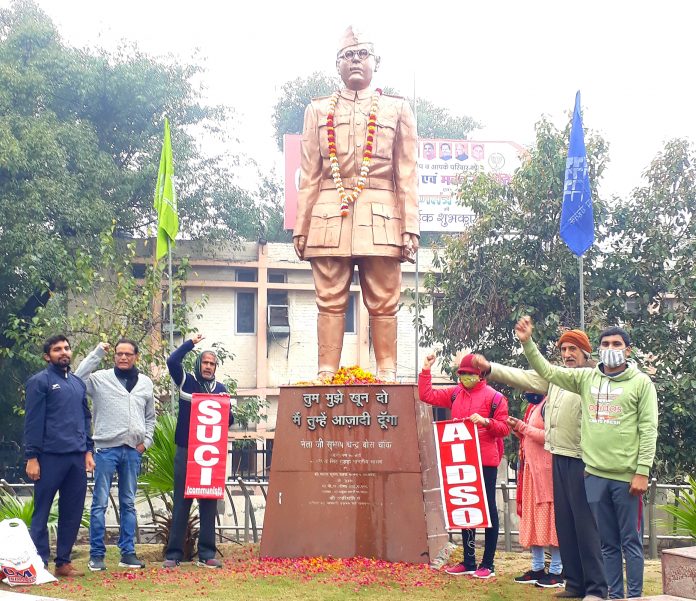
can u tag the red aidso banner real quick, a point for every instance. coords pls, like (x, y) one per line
(461, 475)
(206, 467)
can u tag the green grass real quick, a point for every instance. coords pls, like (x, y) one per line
(246, 577)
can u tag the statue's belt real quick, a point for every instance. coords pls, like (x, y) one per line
(374, 183)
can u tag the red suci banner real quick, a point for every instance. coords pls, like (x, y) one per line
(461, 475)
(206, 467)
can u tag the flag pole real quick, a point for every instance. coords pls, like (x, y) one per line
(167, 228)
(171, 321)
(582, 293)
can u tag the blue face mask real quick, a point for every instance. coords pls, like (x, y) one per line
(533, 398)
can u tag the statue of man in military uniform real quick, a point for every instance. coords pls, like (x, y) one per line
(358, 203)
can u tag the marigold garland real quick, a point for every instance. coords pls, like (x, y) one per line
(352, 196)
(348, 376)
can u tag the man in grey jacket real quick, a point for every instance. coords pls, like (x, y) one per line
(123, 407)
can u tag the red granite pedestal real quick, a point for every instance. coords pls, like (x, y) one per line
(353, 474)
(679, 572)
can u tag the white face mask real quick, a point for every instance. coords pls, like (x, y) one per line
(612, 357)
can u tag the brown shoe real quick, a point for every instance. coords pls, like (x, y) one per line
(68, 571)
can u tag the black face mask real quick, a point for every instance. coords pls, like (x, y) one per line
(533, 398)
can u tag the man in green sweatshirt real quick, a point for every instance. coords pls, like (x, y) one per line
(578, 537)
(618, 438)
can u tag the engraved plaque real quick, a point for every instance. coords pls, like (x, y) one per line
(353, 474)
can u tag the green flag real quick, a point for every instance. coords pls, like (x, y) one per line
(165, 198)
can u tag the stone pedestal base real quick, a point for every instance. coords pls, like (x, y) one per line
(657, 598)
(353, 474)
(679, 572)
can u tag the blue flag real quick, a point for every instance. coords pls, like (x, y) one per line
(577, 218)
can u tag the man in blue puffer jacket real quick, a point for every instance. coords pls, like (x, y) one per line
(201, 381)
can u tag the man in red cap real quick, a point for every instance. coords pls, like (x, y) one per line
(474, 400)
(578, 536)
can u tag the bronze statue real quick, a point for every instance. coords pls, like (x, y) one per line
(358, 203)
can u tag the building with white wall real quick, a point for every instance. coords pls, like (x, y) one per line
(261, 308)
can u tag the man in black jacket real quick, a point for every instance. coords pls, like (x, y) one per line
(58, 449)
(201, 381)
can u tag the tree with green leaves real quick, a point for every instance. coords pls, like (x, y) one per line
(80, 137)
(437, 122)
(640, 274)
(106, 303)
(649, 260)
(288, 113)
(511, 261)
(294, 96)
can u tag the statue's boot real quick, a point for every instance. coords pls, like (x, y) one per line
(330, 336)
(383, 331)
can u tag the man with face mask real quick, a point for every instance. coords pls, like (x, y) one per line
(618, 439)
(474, 400)
(578, 536)
(202, 380)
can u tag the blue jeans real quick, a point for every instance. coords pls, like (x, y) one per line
(619, 516)
(124, 461)
(539, 560)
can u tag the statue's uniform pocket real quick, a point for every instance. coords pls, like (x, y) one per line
(325, 226)
(386, 224)
(342, 129)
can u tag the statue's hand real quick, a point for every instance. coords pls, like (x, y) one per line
(409, 247)
(299, 244)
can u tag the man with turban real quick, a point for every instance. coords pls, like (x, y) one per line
(357, 203)
(578, 536)
(202, 380)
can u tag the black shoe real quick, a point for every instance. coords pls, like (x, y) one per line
(531, 576)
(130, 560)
(551, 581)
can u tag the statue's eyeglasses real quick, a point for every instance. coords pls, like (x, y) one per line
(362, 54)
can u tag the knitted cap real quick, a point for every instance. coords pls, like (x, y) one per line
(576, 337)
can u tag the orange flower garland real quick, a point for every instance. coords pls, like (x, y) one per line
(352, 196)
(348, 376)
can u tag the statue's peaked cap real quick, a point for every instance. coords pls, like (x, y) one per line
(353, 36)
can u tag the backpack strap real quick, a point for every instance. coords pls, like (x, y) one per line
(494, 404)
(456, 393)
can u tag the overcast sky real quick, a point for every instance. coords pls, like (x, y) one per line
(505, 63)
